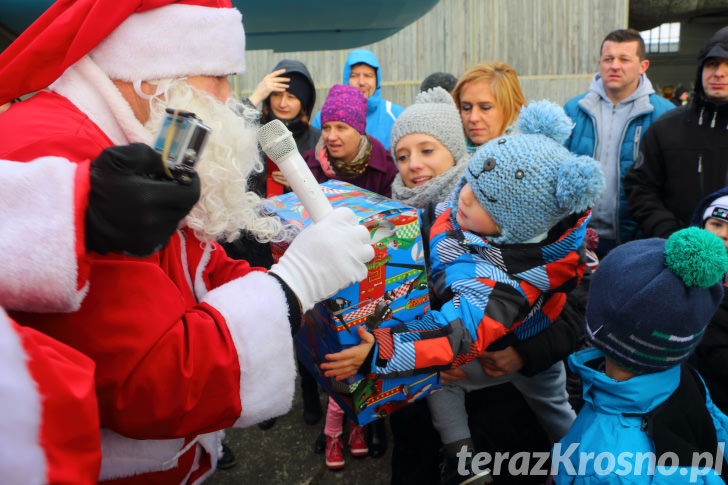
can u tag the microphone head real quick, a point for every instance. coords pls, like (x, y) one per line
(276, 141)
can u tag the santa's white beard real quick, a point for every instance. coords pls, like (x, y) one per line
(231, 155)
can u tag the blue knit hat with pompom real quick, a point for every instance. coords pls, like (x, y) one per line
(528, 181)
(650, 300)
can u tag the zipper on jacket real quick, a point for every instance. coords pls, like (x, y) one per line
(617, 221)
(636, 146)
(700, 173)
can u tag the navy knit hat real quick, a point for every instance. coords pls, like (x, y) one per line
(528, 181)
(650, 300)
(300, 87)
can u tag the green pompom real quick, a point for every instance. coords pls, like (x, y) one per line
(697, 256)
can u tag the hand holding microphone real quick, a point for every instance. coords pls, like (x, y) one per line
(328, 255)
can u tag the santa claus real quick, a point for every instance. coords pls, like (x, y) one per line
(185, 341)
(49, 420)
(49, 414)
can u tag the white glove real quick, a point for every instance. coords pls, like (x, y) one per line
(326, 257)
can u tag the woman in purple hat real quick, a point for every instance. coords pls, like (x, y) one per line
(344, 151)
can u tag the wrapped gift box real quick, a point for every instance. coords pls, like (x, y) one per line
(394, 291)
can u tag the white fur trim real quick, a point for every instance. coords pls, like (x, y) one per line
(38, 266)
(174, 41)
(256, 314)
(126, 457)
(22, 459)
(212, 444)
(200, 288)
(91, 91)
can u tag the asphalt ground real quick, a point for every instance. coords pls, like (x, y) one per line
(284, 454)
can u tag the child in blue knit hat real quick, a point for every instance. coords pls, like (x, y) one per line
(504, 250)
(648, 307)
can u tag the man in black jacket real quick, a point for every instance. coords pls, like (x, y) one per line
(684, 154)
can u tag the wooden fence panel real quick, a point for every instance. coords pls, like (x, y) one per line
(552, 44)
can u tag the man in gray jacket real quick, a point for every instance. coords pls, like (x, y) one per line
(610, 121)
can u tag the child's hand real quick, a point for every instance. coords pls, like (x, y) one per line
(347, 362)
(501, 362)
(451, 375)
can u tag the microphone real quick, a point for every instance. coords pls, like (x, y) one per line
(278, 143)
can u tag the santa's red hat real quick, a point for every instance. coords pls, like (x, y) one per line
(129, 39)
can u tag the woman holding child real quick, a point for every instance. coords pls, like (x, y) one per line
(488, 99)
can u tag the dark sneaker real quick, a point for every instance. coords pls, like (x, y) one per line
(450, 475)
(267, 424)
(227, 460)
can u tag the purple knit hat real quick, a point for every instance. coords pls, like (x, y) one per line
(346, 104)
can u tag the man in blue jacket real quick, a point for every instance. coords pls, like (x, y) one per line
(610, 121)
(362, 71)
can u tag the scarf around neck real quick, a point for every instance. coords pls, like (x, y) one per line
(436, 190)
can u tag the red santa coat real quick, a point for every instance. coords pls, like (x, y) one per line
(49, 431)
(48, 412)
(185, 342)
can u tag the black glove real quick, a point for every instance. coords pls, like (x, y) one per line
(133, 207)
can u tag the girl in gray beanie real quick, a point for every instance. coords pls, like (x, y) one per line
(428, 146)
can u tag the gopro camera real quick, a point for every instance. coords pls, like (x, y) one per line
(180, 141)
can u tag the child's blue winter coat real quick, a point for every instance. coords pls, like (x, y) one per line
(604, 426)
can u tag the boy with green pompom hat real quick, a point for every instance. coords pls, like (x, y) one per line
(647, 416)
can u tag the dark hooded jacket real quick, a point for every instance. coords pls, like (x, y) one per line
(305, 135)
(246, 246)
(711, 356)
(683, 158)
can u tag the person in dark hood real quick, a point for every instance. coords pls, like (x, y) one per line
(362, 71)
(288, 94)
(712, 353)
(684, 154)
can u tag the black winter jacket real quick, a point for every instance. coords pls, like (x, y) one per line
(683, 158)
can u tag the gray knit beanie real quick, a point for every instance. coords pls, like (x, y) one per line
(433, 113)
